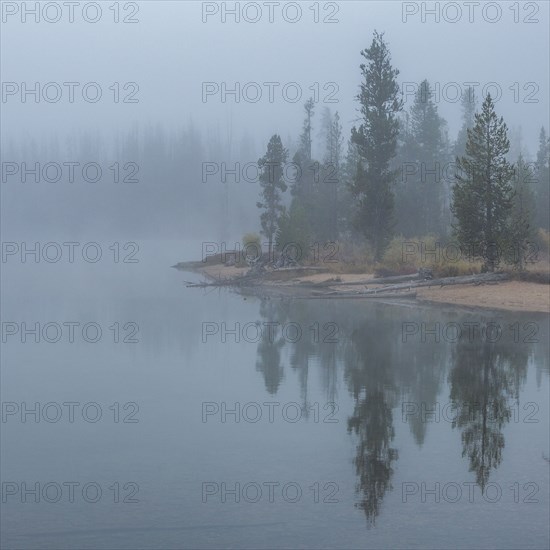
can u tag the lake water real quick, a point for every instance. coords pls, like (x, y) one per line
(206, 419)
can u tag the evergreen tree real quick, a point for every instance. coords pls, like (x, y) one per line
(313, 187)
(325, 131)
(302, 187)
(332, 134)
(271, 167)
(515, 135)
(521, 232)
(305, 138)
(348, 173)
(303, 196)
(331, 177)
(469, 105)
(404, 163)
(543, 182)
(292, 236)
(482, 194)
(335, 162)
(423, 156)
(376, 139)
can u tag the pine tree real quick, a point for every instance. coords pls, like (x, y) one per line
(515, 135)
(326, 130)
(543, 182)
(404, 163)
(334, 169)
(302, 188)
(469, 105)
(482, 194)
(332, 134)
(313, 188)
(271, 167)
(423, 155)
(376, 139)
(331, 177)
(521, 233)
(292, 236)
(348, 173)
(305, 138)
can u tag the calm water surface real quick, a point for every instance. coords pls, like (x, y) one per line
(347, 424)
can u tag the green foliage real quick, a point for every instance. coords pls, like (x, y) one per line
(271, 167)
(347, 210)
(293, 232)
(521, 231)
(305, 138)
(376, 140)
(331, 178)
(317, 184)
(252, 245)
(423, 153)
(251, 239)
(543, 182)
(394, 258)
(482, 195)
(468, 104)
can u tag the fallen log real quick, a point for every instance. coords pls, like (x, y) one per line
(375, 281)
(362, 296)
(485, 278)
(235, 281)
(259, 279)
(316, 269)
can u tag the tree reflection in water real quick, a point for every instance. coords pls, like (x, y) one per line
(382, 371)
(485, 379)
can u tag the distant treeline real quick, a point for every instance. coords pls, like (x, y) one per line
(395, 175)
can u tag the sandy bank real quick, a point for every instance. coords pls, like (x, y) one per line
(506, 295)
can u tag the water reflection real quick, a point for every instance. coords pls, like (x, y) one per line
(369, 372)
(485, 378)
(350, 353)
(384, 372)
(269, 348)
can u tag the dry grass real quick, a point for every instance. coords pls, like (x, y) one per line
(406, 256)
(344, 257)
(409, 255)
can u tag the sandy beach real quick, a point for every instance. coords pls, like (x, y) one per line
(506, 295)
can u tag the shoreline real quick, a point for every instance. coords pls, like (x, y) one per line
(305, 283)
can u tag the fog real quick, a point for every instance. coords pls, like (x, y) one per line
(172, 52)
(240, 401)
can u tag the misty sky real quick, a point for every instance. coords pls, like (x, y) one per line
(170, 52)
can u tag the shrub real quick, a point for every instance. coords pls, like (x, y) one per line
(393, 262)
(292, 236)
(408, 255)
(252, 238)
(457, 268)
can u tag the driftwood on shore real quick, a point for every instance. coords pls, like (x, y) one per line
(375, 281)
(245, 280)
(256, 277)
(361, 295)
(408, 289)
(483, 278)
(399, 287)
